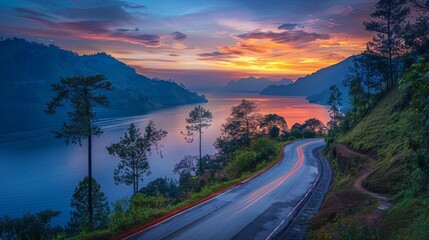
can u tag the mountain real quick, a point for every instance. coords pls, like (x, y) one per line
(252, 84)
(316, 85)
(27, 70)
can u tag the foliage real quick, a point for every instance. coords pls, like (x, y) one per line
(273, 124)
(243, 123)
(247, 159)
(134, 150)
(387, 22)
(334, 101)
(166, 187)
(314, 125)
(199, 119)
(416, 33)
(188, 165)
(416, 83)
(80, 219)
(30, 226)
(83, 94)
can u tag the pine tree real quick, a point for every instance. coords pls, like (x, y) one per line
(80, 219)
(82, 94)
(199, 119)
(334, 101)
(134, 150)
(387, 22)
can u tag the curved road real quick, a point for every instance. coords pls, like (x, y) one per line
(252, 210)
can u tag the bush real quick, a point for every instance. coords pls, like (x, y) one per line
(166, 187)
(241, 161)
(296, 133)
(309, 134)
(30, 226)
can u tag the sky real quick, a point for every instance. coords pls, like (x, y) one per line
(199, 43)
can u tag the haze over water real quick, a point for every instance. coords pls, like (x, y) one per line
(45, 171)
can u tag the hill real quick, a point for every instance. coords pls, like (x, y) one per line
(377, 153)
(252, 84)
(27, 69)
(316, 85)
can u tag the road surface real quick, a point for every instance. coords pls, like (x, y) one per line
(252, 210)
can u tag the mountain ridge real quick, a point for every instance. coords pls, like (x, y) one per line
(252, 84)
(29, 68)
(315, 86)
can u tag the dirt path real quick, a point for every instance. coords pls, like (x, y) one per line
(383, 201)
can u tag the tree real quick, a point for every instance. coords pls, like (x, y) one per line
(387, 22)
(80, 219)
(134, 150)
(167, 187)
(334, 101)
(416, 83)
(199, 119)
(243, 123)
(30, 226)
(189, 165)
(82, 94)
(416, 34)
(314, 125)
(273, 124)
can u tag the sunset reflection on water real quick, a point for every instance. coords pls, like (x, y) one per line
(46, 165)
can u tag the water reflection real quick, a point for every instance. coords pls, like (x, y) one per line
(38, 172)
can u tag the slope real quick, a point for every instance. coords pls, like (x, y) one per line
(316, 85)
(384, 135)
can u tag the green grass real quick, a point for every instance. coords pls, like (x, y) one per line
(383, 134)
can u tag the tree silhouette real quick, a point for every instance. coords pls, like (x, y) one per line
(134, 150)
(82, 94)
(334, 101)
(199, 119)
(387, 22)
(80, 219)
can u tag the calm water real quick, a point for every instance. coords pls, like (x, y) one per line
(38, 172)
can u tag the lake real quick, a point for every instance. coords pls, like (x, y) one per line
(38, 171)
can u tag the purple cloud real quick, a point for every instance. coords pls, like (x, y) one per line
(179, 36)
(289, 26)
(285, 37)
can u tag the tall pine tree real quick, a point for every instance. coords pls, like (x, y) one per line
(82, 94)
(387, 23)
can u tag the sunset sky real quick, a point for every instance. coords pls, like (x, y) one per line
(199, 43)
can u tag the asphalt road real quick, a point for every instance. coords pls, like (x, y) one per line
(252, 210)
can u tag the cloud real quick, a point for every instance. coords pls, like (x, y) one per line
(110, 21)
(127, 30)
(289, 26)
(285, 37)
(179, 36)
(218, 55)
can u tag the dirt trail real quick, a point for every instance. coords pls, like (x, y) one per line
(383, 201)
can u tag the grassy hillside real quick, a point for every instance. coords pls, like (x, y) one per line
(383, 136)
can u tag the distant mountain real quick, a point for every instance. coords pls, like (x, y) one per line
(316, 85)
(27, 70)
(252, 84)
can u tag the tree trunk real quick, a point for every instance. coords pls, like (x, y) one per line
(134, 177)
(136, 180)
(90, 210)
(88, 113)
(201, 160)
